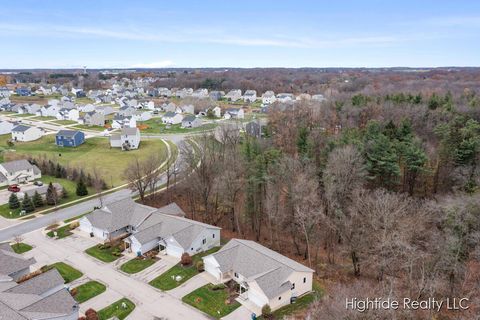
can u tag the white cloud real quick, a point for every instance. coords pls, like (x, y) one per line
(156, 64)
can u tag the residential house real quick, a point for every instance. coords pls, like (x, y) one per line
(119, 122)
(126, 111)
(142, 115)
(6, 127)
(29, 108)
(234, 95)
(105, 110)
(4, 92)
(172, 118)
(250, 96)
(12, 266)
(187, 108)
(285, 97)
(25, 133)
(234, 113)
(23, 91)
(170, 107)
(69, 138)
(18, 171)
(164, 92)
(191, 121)
(48, 110)
(216, 95)
(86, 108)
(318, 97)
(128, 139)
(200, 93)
(68, 114)
(265, 277)
(92, 119)
(182, 93)
(150, 105)
(303, 96)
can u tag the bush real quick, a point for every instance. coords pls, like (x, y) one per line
(267, 312)
(200, 266)
(74, 292)
(186, 259)
(74, 225)
(91, 314)
(217, 287)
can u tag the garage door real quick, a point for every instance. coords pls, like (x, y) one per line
(174, 251)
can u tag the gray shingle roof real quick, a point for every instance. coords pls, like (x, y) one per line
(189, 118)
(129, 131)
(11, 263)
(67, 133)
(39, 284)
(58, 303)
(17, 165)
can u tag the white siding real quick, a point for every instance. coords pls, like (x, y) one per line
(212, 267)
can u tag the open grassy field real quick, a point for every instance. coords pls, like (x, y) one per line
(95, 152)
(155, 126)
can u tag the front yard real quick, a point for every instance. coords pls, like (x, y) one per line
(105, 252)
(136, 265)
(88, 290)
(64, 231)
(67, 272)
(167, 281)
(215, 300)
(21, 247)
(116, 310)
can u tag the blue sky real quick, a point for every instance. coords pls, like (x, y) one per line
(228, 33)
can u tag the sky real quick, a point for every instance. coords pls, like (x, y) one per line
(231, 33)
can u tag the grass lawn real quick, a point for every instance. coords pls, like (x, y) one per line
(62, 232)
(70, 187)
(116, 310)
(95, 152)
(40, 118)
(85, 127)
(23, 115)
(155, 126)
(67, 272)
(210, 301)
(64, 122)
(165, 282)
(104, 253)
(136, 265)
(83, 100)
(21, 247)
(89, 290)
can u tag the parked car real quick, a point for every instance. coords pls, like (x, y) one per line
(14, 188)
(38, 183)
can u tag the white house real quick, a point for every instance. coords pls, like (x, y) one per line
(188, 108)
(191, 121)
(234, 95)
(6, 127)
(49, 110)
(234, 113)
(250, 96)
(119, 122)
(68, 114)
(200, 93)
(318, 97)
(128, 139)
(285, 97)
(25, 133)
(142, 115)
(265, 277)
(172, 118)
(18, 171)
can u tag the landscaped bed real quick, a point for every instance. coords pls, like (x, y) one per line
(21, 247)
(105, 252)
(116, 310)
(137, 264)
(88, 290)
(215, 300)
(67, 272)
(167, 281)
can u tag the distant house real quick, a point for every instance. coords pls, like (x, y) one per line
(318, 97)
(254, 129)
(6, 127)
(119, 122)
(126, 111)
(80, 94)
(170, 107)
(303, 96)
(69, 138)
(49, 110)
(234, 113)
(164, 92)
(23, 91)
(250, 96)
(191, 121)
(234, 95)
(86, 108)
(216, 95)
(105, 110)
(285, 97)
(68, 114)
(187, 108)
(4, 92)
(172, 118)
(25, 133)
(200, 93)
(29, 108)
(92, 119)
(128, 139)
(142, 115)
(18, 171)
(265, 277)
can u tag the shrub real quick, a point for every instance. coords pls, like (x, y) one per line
(267, 312)
(74, 291)
(217, 287)
(91, 314)
(74, 225)
(200, 266)
(186, 259)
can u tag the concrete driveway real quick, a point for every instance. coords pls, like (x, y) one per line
(149, 301)
(241, 313)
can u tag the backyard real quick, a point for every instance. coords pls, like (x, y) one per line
(105, 252)
(167, 281)
(88, 290)
(94, 153)
(67, 272)
(116, 310)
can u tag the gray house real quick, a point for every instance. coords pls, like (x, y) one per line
(12, 266)
(191, 121)
(92, 119)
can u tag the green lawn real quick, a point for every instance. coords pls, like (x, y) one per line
(40, 118)
(67, 272)
(62, 232)
(69, 185)
(89, 290)
(83, 100)
(212, 302)
(136, 265)
(21, 247)
(155, 126)
(64, 122)
(166, 281)
(85, 127)
(95, 152)
(23, 115)
(116, 310)
(105, 253)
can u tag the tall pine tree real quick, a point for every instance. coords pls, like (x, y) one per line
(52, 195)
(37, 200)
(13, 202)
(81, 188)
(27, 204)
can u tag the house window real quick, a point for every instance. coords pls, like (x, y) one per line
(305, 280)
(293, 286)
(236, 275)
(204, 241)
(279, 298)
(213, 236)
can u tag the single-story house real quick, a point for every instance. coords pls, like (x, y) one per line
(12, 266)
(128, 139)
(172, 118)
(191, 121)
(265, 277)
(18, 171)
(69, 138)
(25, 133)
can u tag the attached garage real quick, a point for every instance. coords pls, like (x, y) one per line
(174, 251)
(211, 266)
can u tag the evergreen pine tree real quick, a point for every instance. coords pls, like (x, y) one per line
(37, 200)
(52, 196)
(27, 204)
(81, 188)
(13, 202)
